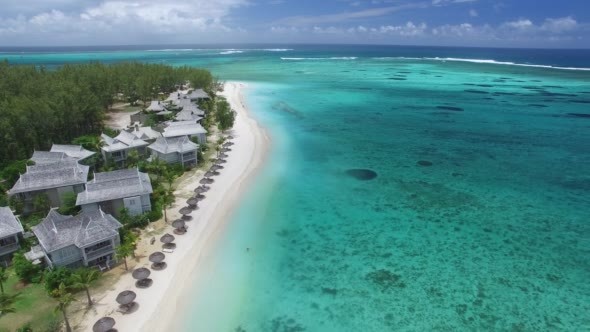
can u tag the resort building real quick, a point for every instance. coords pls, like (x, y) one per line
(88, 239)
(117, 149)
(61, 152)
(186, 128)
(113, 191)
(155, 106)
(175, 150)
(52, 179)
(144, 133)
(189, 115)
(197, 94)
(10, 232)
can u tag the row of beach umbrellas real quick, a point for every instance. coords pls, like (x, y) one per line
(126, 299)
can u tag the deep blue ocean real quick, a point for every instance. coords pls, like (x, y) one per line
(478, 218)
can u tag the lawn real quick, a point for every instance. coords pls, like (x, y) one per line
(33, 306)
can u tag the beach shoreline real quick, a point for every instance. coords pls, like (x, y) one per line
(160, 304)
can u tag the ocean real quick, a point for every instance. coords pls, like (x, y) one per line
(407, 189)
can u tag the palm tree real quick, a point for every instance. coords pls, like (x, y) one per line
(3, 278)
(122, 252)
(64, 299)
(7, 303)
(167, 201)
(84, 278)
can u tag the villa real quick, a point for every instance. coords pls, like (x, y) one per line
(10, 232)
(189, 115)
(197, 94)
(52, 179)
(61, 152)
(175, 150)
(155, 106)
(144, 133)
(88, 239)
(113, 191)
(186, 128)
(117, 149)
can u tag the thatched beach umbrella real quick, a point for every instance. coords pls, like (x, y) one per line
(220, 161)
(228, 143)
(206, 181)
(126, 297)
(222, 155)
(142, 275)
(209, 174)
(225, 149)
(185, 211)
(199, 197)
(157, 259)
(192, 202)
(178, 223)
(179, 226)
(200, 189)
(229, 137)
(215, 168)
(104, 324)
(168, 240)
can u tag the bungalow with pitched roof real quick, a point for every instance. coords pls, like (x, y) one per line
(186, 128)
(155, 106)
(197, 94)
(10, 232)
(88, 239)
(117, 149)
(113, 191)
(53, 179)
(144, 133)
(61, 152)
(175, 150)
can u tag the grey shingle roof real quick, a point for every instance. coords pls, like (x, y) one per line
(115, 185)
(9, 224)
(48, 157)
(57, 231)
(155, 106)
(123, 141)
(74, 151)
(173, 144)
(63, 173)
(144, 133)
(198, 94)
(189, 115)
(183, 128)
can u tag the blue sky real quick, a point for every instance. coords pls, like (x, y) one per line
(505, 23)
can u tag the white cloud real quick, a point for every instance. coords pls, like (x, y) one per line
(311, 20)
(473, 13)
(560, 25)
(521, 24)
(108, 18)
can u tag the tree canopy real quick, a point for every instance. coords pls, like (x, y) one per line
(39, 107)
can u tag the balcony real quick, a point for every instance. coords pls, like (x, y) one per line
(90, 255)
(9, 248)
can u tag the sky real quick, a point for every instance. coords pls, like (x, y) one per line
(484, 23)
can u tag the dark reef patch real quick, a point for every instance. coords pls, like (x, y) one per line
(361, 174)
(580, 115)
(538, 105)
(450, 108)
(475, 91)
(424, 163)
(385, 279)
(577, 101)
(398, 78)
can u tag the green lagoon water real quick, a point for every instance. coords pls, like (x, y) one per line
(478, 219)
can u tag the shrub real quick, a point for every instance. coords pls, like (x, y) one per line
(53, 278)
(25, 270)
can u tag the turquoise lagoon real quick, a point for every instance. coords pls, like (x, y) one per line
(478, 218)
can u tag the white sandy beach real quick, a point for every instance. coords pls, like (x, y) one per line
(159, 304)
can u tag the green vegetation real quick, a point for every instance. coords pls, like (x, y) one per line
(64, 299)
(71, 102)
(25, 270)
(30, 296)
(83, 279)
(224, 115)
